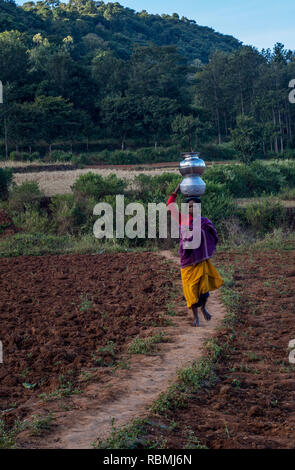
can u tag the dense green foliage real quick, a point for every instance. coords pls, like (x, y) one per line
(88, 72)
(5, 180)
(99, 25)
(86, 69)
(253, 180)
(72, 214)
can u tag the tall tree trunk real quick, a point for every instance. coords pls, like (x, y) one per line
(276, 139)
(281, 132)
(290, 126)
(216, 108)
(6, 138)
(241, 95)
(225, 124)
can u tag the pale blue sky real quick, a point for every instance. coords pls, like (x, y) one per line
(260, 23)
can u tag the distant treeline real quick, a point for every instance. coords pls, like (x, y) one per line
(87, 70)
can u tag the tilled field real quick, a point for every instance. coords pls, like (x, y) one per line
(63, 315)
(253, 403)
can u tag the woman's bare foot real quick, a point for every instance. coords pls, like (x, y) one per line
(206, 314)
(196, 316)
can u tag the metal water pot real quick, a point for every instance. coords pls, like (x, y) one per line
(192, 167)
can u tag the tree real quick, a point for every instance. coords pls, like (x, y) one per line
(157, 71)
(109, 73)
(156, 117)
(182, 126)
(13, 56)
(54, 117)
(121, 116)
(246, 138)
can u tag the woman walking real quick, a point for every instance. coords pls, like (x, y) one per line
(198, 274)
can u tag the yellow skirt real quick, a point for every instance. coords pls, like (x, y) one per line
(199, 279)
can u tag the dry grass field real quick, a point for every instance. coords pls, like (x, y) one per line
(60, 182)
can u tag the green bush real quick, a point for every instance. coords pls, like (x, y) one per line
(218, 204)
(93, 185)
(287, 169)
(35, 156)
(20, 156)
(6, 176)
(32, 221)
(59, 156)
(62, 213)
(122, 158)
(81, 160)
(155, 188)
(140, 156)
(288, 154)
(266, 215)
(213, 152)
(27, 195)
(15, 156)
(251, 180)
(25, 156)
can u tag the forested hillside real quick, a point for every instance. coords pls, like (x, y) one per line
(98, 25)
(93, 71)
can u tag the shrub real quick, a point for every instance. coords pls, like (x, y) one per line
(5, 180)
(218, 204)
(81, 160)
(27, 195)
(60, 156)
(155, 188)
(142, 155)
(265, 215)
(250, 180)
(15, 156)
(213, 152)
(287, 194)
(92, 185)
(122, 158)
(35, 156)
(287, 169)
(32, 221)
(62, 213)
(25, 156)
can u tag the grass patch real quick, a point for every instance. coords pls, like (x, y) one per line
(131, 436)
(24, 244)
(7, 437)
(146, 345)
(41, 424)
(86, 304)
(109, 350)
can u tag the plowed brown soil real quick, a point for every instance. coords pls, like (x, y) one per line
(55, 311)
(7, 226)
